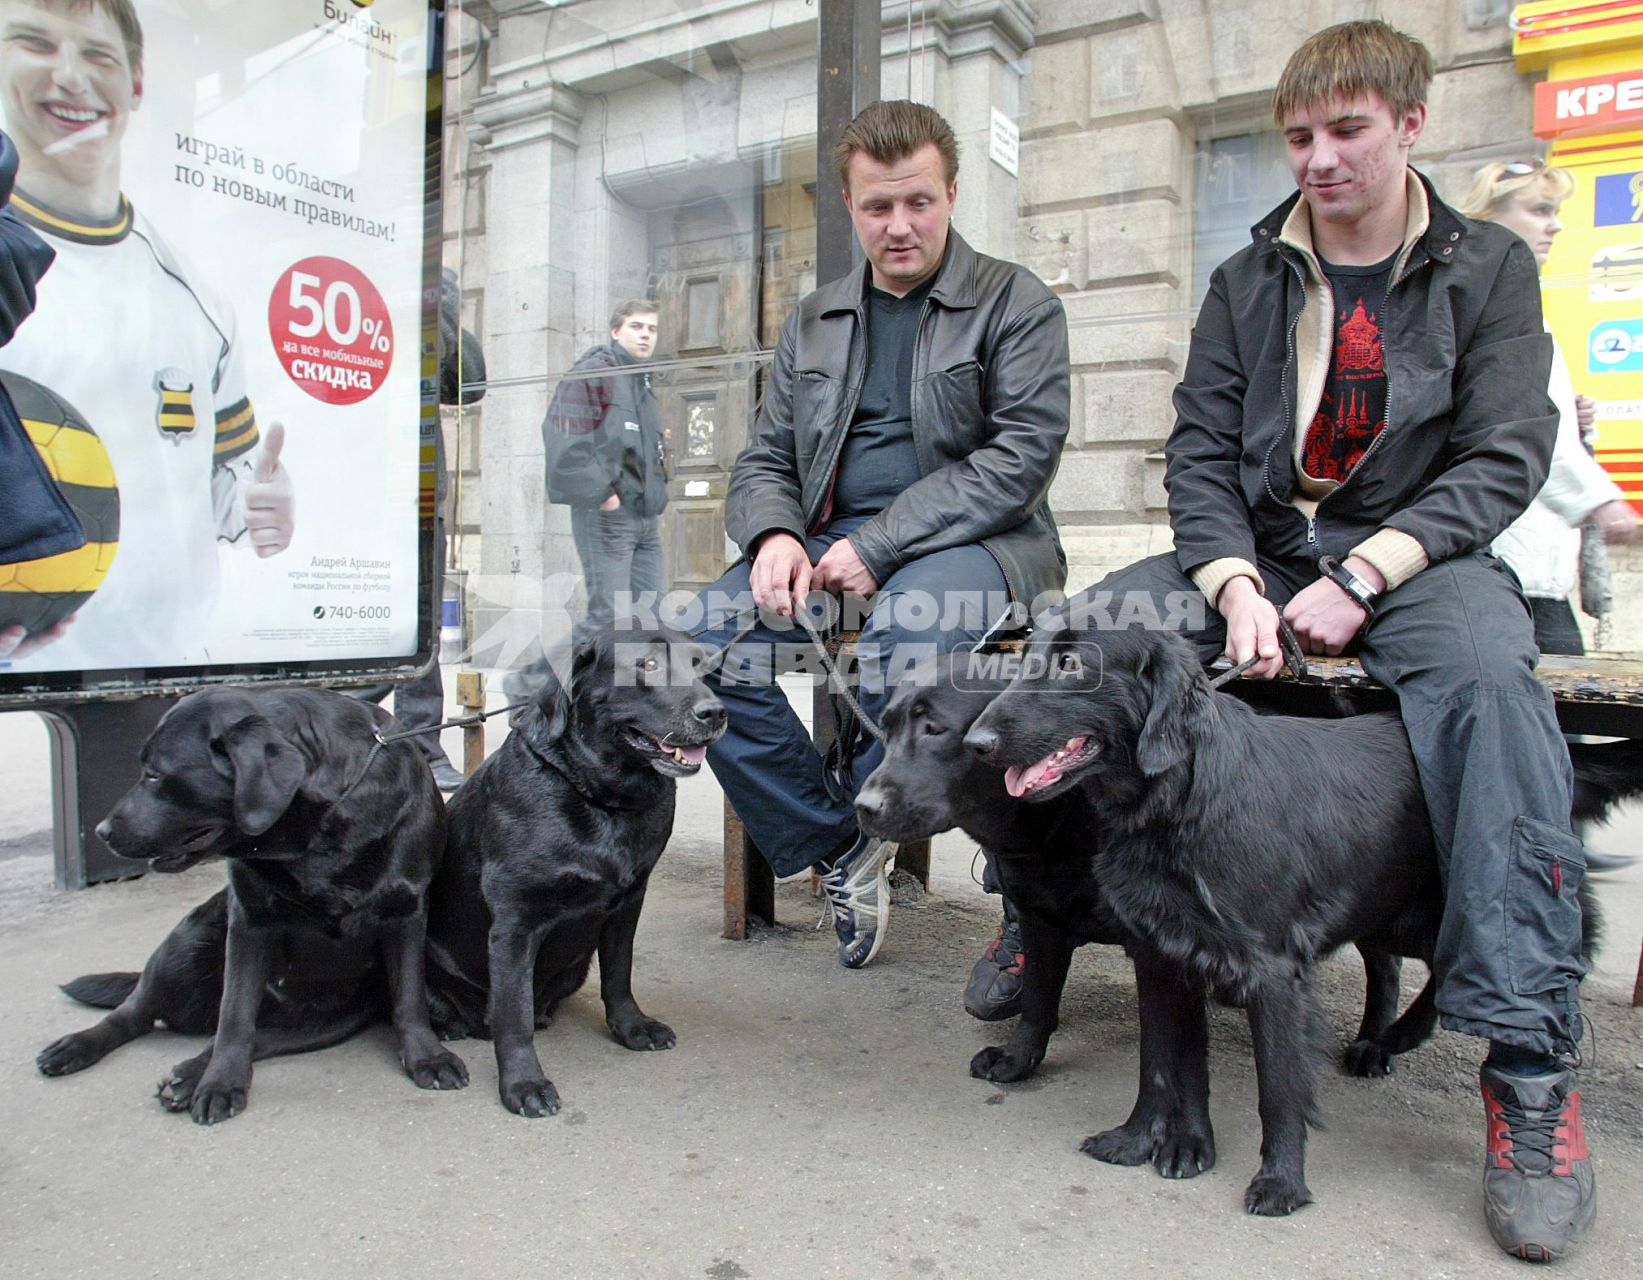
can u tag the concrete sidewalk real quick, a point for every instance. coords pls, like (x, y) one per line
(811, 1122)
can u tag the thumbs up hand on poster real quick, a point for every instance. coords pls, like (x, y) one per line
(270, 504)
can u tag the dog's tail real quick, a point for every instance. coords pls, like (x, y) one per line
(101, 990)
(1605, 774)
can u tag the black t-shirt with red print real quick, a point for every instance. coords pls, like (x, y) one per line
(1352, 411)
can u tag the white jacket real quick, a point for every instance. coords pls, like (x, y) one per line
(1543, 544)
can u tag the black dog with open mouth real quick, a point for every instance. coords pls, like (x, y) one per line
(550, 847)
(331, 840)
(1046, 857)
(1243, 848)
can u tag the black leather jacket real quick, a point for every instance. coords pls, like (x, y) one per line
(1470, 426)
(989, 404)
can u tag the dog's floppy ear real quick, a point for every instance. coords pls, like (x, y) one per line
(267, 770)
(545, 723)
(1171, 679)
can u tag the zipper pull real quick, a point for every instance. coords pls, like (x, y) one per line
(1312, 532)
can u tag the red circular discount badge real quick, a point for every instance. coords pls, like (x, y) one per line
(331, 330)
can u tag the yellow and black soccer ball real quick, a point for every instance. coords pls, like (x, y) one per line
(34, 594)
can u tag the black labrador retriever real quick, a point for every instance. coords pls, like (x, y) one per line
(1045, 856)
(1245, 896)
(331, 838)
(550, 847)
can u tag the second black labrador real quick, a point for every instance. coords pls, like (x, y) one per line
(1046, 858)
(550, 848)
(1241, 847)
(331, 840)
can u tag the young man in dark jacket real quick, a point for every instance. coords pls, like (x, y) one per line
(1364, 408)
(912, 422)
(607, 460)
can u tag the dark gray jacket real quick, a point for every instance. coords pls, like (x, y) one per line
(602, 435)
(989, 403)
(1470, 426)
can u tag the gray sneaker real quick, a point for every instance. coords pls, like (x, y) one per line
(857, 887)
(1539, 1195)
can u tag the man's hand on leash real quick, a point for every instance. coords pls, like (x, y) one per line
(841, 571)
(1324, 617)
(781, 573)
(1252, 628)
(270, 503)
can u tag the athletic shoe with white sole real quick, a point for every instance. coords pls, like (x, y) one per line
(857, 887)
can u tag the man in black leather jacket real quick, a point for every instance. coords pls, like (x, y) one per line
(912, 422)
(1364, 408)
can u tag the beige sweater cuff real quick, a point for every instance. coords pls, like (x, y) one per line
(1211, 576)
(1398, 556)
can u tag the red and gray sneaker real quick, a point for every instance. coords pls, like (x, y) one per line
(994, 990)
(1539, 1194)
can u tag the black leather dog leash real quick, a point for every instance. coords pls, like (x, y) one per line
(1294, 658)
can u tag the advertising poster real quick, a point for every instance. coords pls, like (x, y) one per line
(224, 369)
(1593, 296)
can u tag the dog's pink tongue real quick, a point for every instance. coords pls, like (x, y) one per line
(694, 755)
(1018, 779)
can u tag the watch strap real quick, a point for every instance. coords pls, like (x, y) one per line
(1349, 582)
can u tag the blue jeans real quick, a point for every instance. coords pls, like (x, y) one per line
(621, 555)
(766, 762)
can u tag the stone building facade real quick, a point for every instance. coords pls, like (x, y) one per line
(604, 148)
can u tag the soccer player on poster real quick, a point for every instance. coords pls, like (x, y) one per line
(139, 344)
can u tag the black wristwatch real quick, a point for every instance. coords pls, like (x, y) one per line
(1350, 583)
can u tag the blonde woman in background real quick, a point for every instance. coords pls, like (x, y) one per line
(1543, 544)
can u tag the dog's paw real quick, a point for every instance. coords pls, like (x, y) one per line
(217, 1101)
(67, 1055)
(176, 1091)
(1124, 1145)
(441, 1069)
(998, 1064)
(644, 1033)
(1184, 1153)
(529, 1098)
(1272, 1195)
(1366, 1059)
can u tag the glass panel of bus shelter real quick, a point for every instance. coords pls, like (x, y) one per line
(609, 146)
(599, 153)
(224, 366)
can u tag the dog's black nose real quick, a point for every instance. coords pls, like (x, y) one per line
(981, 742)
(104, 830)
(710, 712)
(869, 804)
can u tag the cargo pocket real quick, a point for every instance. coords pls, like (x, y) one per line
(1543, 925)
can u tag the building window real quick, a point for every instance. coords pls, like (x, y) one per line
(1239, 179)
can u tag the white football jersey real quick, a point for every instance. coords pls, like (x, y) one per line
(145, 353)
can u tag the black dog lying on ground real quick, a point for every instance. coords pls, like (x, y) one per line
(331, 839)
(1241, 892)
(1045, 857)
(550, 847)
